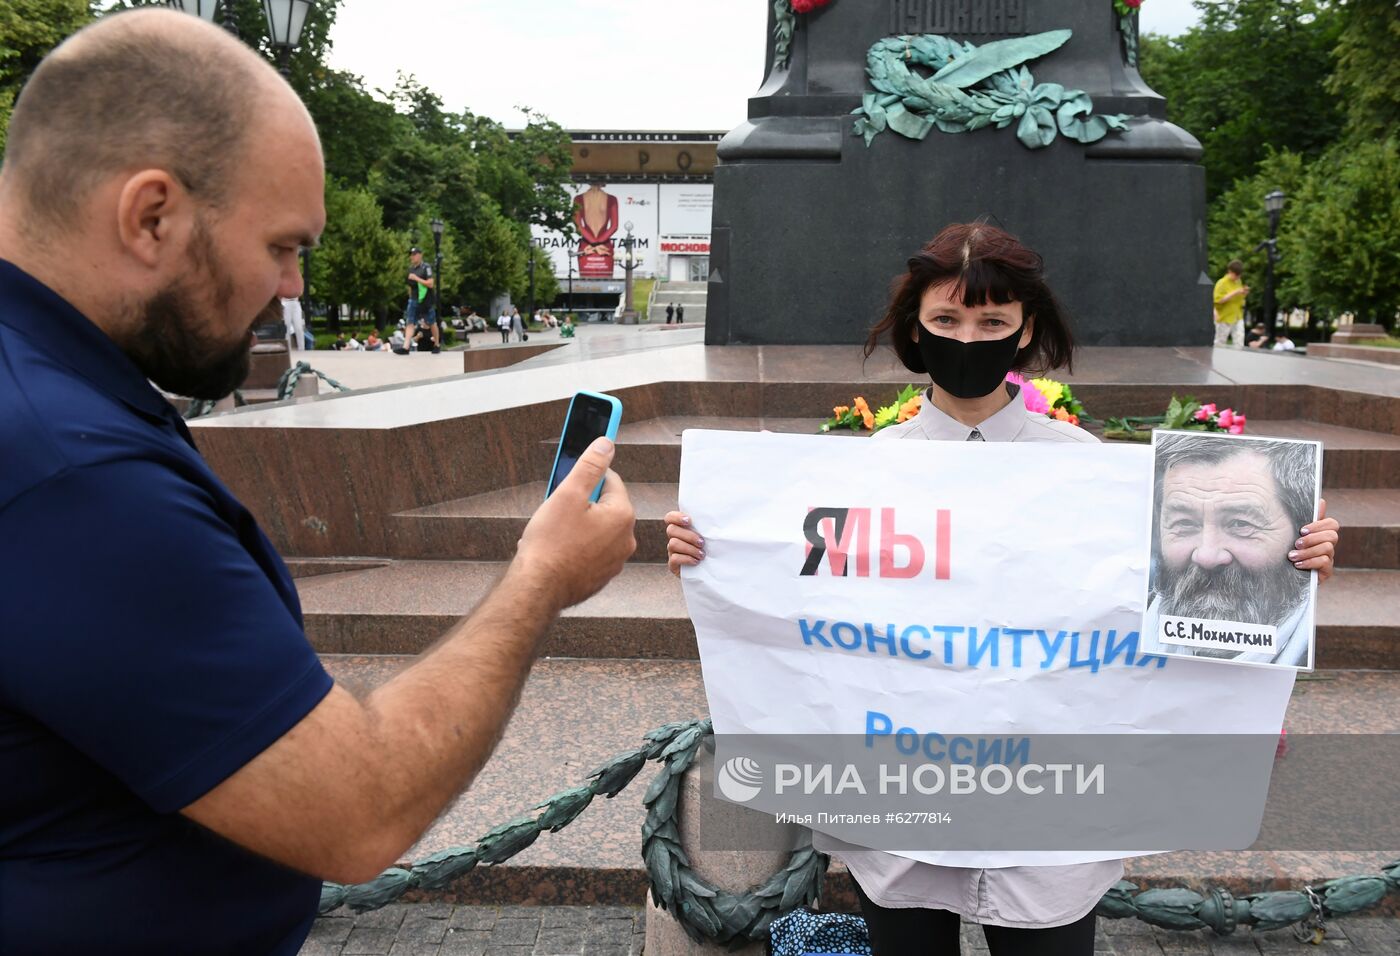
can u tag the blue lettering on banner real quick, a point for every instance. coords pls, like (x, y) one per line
(978, 751)
(1090, 650)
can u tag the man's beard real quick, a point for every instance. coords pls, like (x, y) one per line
(172, 345)
(1232, 592)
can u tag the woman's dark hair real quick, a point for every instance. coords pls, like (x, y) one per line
(986, 264)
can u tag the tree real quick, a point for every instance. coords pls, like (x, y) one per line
(493, 260)
(546, 284)
(1344, 234)
(29, 29)
(361, 262)
(1250, 76)
(1239, 222)
(1367, 78)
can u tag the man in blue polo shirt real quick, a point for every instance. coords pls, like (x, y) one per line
(177, 771)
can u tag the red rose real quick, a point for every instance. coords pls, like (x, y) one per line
(802, 6)
(1133, 3)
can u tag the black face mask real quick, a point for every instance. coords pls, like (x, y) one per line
(967, 369)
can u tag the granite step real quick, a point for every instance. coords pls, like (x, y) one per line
(649, 450)
(575, 714)
(486, 527)
(403, 606)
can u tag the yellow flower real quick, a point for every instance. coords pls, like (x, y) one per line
(1051, 389)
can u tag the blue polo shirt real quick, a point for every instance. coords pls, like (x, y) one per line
(151, 644)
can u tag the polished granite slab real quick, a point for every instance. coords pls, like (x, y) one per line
(555, 376)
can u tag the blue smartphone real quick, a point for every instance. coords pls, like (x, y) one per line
(590, 416)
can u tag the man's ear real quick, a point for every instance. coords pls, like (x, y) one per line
(155, 216)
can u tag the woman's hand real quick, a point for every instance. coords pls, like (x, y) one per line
(1317, 546)
(685, 547)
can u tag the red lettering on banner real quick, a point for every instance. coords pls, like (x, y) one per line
(943, 547)
(891, 539)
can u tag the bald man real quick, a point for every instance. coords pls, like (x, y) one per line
(179, 772)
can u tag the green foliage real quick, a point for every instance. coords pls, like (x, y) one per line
(360, 262)
(29, 29)
(546, 285)
(1367, 77)
(1238, 223)
(1252, 74)
(393, 161)
(1344, 236)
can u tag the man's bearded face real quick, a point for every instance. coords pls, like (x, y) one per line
(1224, 536)
(182, 343)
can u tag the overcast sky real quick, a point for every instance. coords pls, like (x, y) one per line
(603, 64)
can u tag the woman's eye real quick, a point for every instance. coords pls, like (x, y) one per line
(944, 320)
(993, 323)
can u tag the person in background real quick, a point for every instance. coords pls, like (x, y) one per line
(353, 344)
(517, 325)
(670, 312)
(680, 314)
(1283, 344)
(340, 344)
(1257, 337)
(372, 342)
(503, 324)
(1229, 297)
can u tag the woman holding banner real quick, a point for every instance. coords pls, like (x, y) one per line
(972, 307)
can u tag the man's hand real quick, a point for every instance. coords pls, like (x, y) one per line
(684, 546)
(576, 545)
(1318, 544)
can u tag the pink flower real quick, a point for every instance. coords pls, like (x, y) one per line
(1202, 414)
(1032, 397)
(1239, 420)
(1208, 409)
(1133, 3)
(1236, 429)
(1227, 418)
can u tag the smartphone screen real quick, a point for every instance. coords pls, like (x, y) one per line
(588, 419)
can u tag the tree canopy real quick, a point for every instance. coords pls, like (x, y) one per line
(395, 160)
(1301, 96)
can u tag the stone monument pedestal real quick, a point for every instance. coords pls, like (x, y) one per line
(1358, 333)
(732, 870)
(811, 223)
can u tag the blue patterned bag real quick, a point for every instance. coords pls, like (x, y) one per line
(802, 932)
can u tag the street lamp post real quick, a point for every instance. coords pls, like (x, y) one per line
(1273, 204)
(629, 314)
(530, 268)
(436, 226)
(573, 257)
(285, 21)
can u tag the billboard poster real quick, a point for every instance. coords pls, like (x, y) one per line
(686, 208)
(601, 212)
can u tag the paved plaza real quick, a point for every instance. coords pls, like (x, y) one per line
(441, 929)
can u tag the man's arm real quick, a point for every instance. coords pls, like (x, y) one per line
(352, 786)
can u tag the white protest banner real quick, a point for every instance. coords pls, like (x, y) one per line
(876, 587)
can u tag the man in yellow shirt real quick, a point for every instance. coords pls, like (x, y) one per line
(1229, 305)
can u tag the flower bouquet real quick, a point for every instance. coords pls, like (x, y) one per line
(1046, 396)
(858, 415)
(1182, 414)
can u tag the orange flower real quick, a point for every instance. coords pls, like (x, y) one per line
(840, 410)
(1060, 415)
(860, 404)
(1074, 419)
(869, 420)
